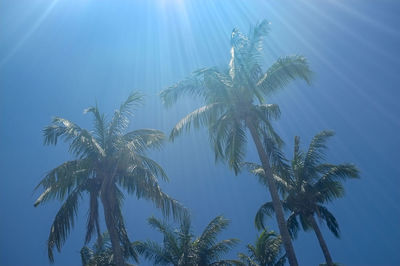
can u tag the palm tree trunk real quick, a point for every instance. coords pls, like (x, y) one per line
(108, 200)
(276, 202)
(321, 240)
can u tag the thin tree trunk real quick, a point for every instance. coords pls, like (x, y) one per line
(321, 240)
(276, 202)
(108, 200)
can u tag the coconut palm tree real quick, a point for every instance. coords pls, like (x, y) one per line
(266, 252)
(234, 101)
(308, 184)
(107, 160)
(180, 248)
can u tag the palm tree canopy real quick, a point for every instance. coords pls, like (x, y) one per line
(234, 97)
(267, 251)
(105, 154)
(180, 247)
(308, 184)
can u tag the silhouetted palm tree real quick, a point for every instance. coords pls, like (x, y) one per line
(234, 101)
(307, 184)
(266, 252)
(180, 248)
(107, 159)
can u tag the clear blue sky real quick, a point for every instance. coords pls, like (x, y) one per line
(58, 57)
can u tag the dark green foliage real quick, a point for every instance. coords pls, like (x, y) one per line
(180, 247)
(101, 253)
(267, 251)
(307, 185)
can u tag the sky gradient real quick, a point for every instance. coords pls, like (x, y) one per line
(58, 57)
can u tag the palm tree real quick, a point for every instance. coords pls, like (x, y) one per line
(266, 252)
(234, 101)
(107, 159)
(307, 184)
(179, 247)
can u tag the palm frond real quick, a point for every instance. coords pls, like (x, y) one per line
(217, 250)
(63, 222)
(305, 223)
(235, 147)
(153, 251)
(93, 216)
(172, 250)
(199, 117)
(330, 220)
(192, 86)
(267, 209)
(316, 150)
(120, 119)
(83, 144)
(99, 124)
(145, 138)
(257, 35)
(339, 171)
(60, 181)
(209, 235)
(293, 225)
(144, 184)
(282, 72)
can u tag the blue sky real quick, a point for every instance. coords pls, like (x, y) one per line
(58, 57)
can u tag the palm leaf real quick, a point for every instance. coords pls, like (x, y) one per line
(99, 124)
(63, 222)
(199, 117)
(267, 209)
(330, 220)
(83, 144)
(60, 181)
(120, 119)
(316, 150)
(282, 72)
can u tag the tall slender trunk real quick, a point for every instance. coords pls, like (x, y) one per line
(109, 205)
(321, 240)
(276, 202)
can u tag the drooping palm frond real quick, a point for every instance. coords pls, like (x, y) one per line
(235, 146)
(330, 220)
(63, 222)
(82, 143)
(293, 225)
(282, 72)
(192, 86)
(267, 209)
(92, 225)
(60, 181)
(199, 117)
(143, 184)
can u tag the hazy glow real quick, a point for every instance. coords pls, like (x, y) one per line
(30, 32)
